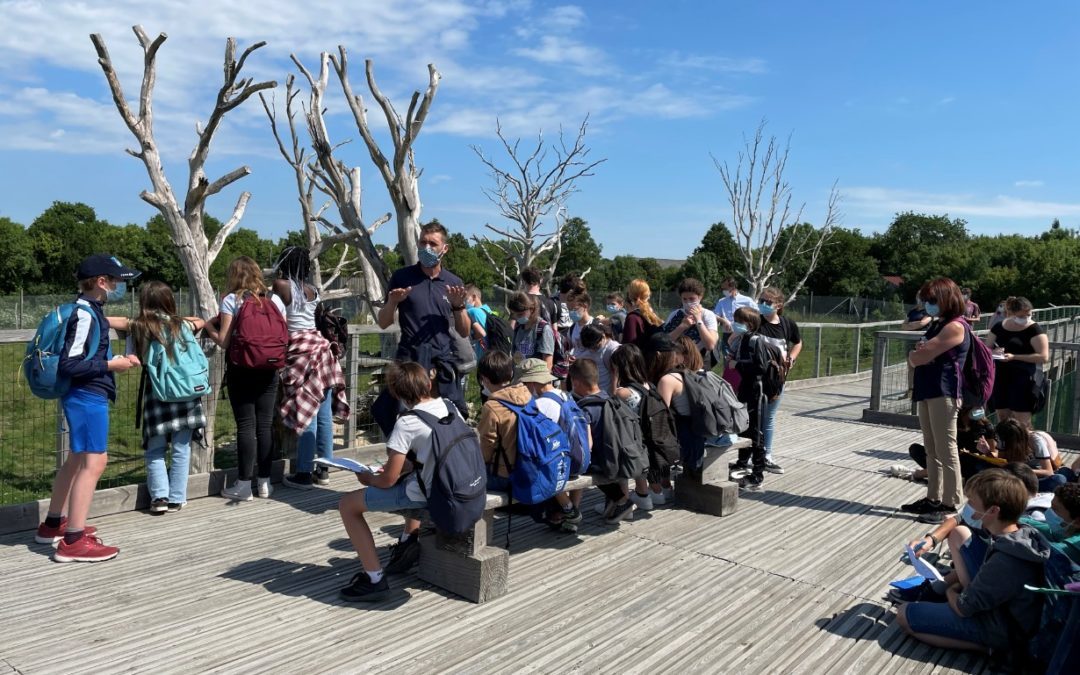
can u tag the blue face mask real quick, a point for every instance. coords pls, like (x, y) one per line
(428, 257)
(967, 514)
(575, 315)
(522, 320)
(766, 310)
(739, 328)
(1056, 523)
(978, 414)
(931, 309)
(117, 294)
(612, 308)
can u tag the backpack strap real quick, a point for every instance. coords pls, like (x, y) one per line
(139, 398)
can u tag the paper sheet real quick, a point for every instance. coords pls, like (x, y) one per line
(923, 568)
(345, 463)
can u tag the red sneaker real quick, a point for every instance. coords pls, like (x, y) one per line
(53, 535)
(87, 549)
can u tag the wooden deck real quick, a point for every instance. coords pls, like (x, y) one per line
(791, 583)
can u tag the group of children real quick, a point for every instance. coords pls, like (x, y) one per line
(273, 342)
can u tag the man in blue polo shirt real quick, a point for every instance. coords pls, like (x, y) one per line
(731, 300)
(427, 300)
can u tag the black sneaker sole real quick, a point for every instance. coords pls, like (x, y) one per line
(367, 597)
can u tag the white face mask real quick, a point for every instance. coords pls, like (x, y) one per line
(1022, 320)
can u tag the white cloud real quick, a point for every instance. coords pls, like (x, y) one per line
(947, 100)
(555, 49)
(880, 200)
(719, 64)
(1028, 183)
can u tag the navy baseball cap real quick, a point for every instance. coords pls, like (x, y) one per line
(104, 265)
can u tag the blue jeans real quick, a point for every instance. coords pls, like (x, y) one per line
(393, 498)
(938, 618)
(171, 485)
(769, 424)
(1053, 482)
(318, 435)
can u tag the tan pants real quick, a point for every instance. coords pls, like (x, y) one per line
(937, 418)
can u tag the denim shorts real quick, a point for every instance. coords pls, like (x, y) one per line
(974, 553)
(87, 416)
(390, 499)
(938, 618)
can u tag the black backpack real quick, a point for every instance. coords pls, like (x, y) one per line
(618, 450)
(560, 360)
(458, 491)
(657, 430)
(759, 358)
(498, 334)
(714, 407)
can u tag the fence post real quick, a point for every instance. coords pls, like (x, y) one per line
(858, 346)
(828, 366)
(352, 358)
(877, 372)
(19, 314)
(61, 437)
(817, 353)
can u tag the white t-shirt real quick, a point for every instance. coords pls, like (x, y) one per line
(1040, 450)
(230, 304)
(410, 433)
(548, 408)
(602, 358)
(707, 318)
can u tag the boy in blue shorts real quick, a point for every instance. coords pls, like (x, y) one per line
(90, 368)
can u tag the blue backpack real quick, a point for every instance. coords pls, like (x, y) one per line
(457, 494)
(181, 374)
(543, 456)
(575, 424)
(42, 361)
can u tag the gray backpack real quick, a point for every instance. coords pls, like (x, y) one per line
(714, 407)
(618, 450)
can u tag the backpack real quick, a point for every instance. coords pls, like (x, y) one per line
(560, 355)
(977, 375)
(657, 430)
(42, 361)
(618, 450)
(334, 327)
(543, 456)
(1050, 636)
(182, 374)
(458, 492)
(759, 358)
(261, 336)
(714, 407)
(1040, 390)
(499, 336)
(575, 424)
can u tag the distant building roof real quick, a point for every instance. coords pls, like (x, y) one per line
(669, 263)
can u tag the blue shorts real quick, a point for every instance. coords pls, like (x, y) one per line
(938, 618)
(87, 416)
(390, 499)
(974, 553)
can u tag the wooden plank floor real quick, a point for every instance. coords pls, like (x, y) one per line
(793, 582)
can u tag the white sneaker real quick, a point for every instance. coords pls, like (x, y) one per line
(658, 498)
(668, 493)
(240, 492)
(643, 503)
(264, 488)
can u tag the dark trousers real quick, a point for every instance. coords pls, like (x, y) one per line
(252, 394)
(757, 406)
(969, 466)
(691, 445)
(613, 491)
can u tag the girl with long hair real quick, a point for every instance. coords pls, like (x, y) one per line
(641, 321)
(1017, 442)
(631, 385)
(163, 422)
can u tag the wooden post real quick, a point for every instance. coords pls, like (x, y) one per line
(467, 566)
(858, 346)
(817, 352)
(877, 371)
(713, 493)
(828, 366)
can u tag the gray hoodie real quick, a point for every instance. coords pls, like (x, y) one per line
(996, 598)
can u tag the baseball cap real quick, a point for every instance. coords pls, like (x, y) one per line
(534, 370)
(661, 342)
(102, 264)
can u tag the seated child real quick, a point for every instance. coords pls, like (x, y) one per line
(977, 440)
(598, 348)
(395, 487)
(1061, 524)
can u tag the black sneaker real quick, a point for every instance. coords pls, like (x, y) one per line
(624, 511)
(362, 590)
(924, 505)
(174, 506)
(938, 515)
(321, 475)
(924, 592)
(753, 482)
(734, 466)
(404, 555)
(737, 470)
(772, 467)
(299, 480)
(572, 516)
(159, 505)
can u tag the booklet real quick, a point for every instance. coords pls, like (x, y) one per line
(346, 464)
(910, 582)
(923, 568)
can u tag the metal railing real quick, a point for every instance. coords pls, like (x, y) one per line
(33, 436)
(891, 378)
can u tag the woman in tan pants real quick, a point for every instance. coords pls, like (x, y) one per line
(938, 361)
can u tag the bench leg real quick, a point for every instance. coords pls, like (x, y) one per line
(466, 566)
(716, 499)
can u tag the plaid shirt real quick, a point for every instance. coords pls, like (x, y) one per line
(160, 418)
(310, 369)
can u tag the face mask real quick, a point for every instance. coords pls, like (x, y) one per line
(612, 308)
(977, 414)
(967, 514)
(428, 257)
(575, 315)
(117, 294)
(1022, 320)
(766, 310)
(486, 392)
(1056, 523)
(522, 320)
(687, 306)
(931, 309)
(739, 328)
(1001, 309)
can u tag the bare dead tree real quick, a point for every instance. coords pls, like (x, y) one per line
(528, 191)
(771, 234)
(309, 176)
(401, 175)
(185, 221)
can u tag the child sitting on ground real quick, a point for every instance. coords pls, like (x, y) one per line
(410, 384)
(993, 610)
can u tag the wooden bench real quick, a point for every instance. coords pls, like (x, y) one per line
(471, 567)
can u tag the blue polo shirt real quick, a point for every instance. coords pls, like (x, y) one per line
(425, 315)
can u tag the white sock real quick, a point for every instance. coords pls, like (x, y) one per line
(375, 577)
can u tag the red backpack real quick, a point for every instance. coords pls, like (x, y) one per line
(260, 337)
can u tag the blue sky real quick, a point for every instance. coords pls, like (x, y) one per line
(955, 108)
